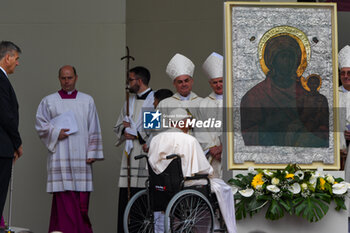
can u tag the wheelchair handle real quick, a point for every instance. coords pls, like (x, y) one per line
(137, 157)
(172, 156)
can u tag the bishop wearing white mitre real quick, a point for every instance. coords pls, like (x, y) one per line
(180, 69)
(211, 108)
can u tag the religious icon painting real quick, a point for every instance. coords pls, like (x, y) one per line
(281, 85)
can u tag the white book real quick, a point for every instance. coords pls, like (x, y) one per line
(66, 121)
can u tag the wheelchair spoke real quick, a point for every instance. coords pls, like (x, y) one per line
(138, 216)
(190, 214)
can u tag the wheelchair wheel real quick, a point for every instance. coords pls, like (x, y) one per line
(189, 211)
(137, 216)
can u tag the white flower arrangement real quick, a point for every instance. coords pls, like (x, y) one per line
(301, 192)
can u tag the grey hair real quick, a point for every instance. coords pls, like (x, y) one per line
(8, 47)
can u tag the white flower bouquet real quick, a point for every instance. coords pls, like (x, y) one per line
(291, 190)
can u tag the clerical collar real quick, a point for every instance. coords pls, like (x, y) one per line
(144, 94)
(218, 97)
(68, 95)
(4, 71)
(182, 98)
(344, 90)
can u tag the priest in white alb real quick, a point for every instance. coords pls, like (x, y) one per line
(344, 106)
(211, 108)
(180, 69)
(177, 141)
(130, 133)
(68, 125)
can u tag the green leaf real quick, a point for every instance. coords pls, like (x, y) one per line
(323, 206)
(238, 183)
(286, 205)
(240, 176)
(311, 208)
(255, 204)
(275, 211)
(324, 197)
(338, 180)
(240, 210)
(339, 201)
(264, 197)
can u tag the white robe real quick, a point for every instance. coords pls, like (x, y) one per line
(210, 107)
(193, 161)
(138, 171)
(167, 105)
(66, 165)
(344, 119)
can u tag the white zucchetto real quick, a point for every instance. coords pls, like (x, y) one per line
(344, 57)
(179, 65)
(178, 114)
(213, 66)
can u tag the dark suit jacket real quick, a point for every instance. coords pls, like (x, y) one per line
(10, 139)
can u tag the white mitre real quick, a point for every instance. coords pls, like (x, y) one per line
(344, 57)
(179, 65)
(213, 66)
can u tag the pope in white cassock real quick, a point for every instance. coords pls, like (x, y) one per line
(177, 141)
(211, 108)
(68, 125)
(130, 133)
(180, 69)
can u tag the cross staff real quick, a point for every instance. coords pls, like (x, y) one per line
(127, 57)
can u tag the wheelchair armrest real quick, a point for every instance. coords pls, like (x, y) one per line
(137, 157)
(201, 177)
(198, 177)
(172, 156)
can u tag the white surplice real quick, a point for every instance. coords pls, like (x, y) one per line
(344, 120)
(190, 102)
(211, 107)
(66, 164)
(193, 160)
(139, 173)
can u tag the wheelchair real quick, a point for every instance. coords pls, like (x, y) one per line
(187, 209)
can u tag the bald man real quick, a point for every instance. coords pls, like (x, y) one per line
(72, 150)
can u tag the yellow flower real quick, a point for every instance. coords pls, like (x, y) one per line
(322, 182)
(290, 176)
(257, 180)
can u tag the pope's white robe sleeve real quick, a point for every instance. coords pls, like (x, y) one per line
(95, 138)
(47, 132)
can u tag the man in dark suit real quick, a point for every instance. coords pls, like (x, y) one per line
(10, 140)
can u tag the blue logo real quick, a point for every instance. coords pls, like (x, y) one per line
(151, 120)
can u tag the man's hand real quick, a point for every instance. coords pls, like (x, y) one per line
(343, 155)
(145, 148)
(216, 152)
(343, 151)
(129, 136)
(126, 124)
(18, 153)
(63, 134)
(90, 161)
(347, 135)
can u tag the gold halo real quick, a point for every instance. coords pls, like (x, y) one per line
(293, 32)
(305, 80)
